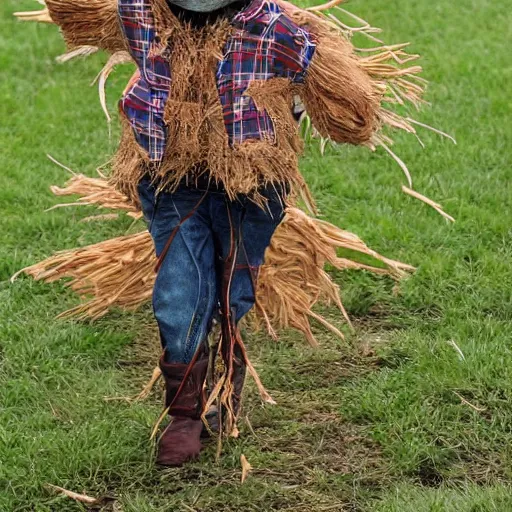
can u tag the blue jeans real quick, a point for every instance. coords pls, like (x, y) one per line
(209, 230)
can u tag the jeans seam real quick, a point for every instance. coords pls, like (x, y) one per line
(193, 323)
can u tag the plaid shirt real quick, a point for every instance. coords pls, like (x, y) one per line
(144, 102)
(266, 44)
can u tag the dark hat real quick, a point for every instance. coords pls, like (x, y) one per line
(202, 5)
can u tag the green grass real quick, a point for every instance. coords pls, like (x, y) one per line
(372, 424)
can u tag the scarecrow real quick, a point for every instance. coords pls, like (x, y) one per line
(211, 135)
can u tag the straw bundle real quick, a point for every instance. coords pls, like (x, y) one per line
(395, 82)
(88, 23)
(120, 272)
(293, 279)
(95, 191)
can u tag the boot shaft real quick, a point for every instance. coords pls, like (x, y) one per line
(184, 383)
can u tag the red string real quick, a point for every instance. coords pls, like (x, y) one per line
(165, 250)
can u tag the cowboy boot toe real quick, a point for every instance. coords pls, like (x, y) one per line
(180, 442)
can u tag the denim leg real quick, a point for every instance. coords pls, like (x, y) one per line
(184, 294)
(253, 227)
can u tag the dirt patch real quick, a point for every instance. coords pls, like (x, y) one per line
(429, 475)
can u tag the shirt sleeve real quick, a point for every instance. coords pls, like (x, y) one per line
(143, 103)
(138, 27)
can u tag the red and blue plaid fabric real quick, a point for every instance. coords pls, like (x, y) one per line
(266, 44)
(144, 102)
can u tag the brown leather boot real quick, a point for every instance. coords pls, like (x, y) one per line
(180, 441)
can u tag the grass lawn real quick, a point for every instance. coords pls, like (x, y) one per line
(393, 419)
